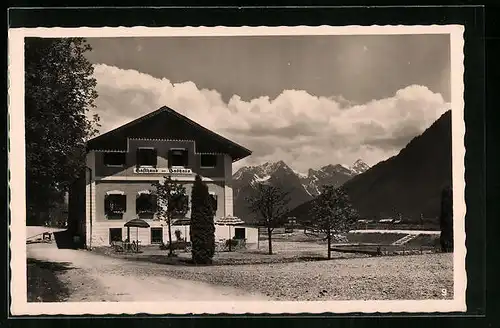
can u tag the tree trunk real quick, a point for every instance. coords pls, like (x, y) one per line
(329, 238)
(269, 234)
(170, 246)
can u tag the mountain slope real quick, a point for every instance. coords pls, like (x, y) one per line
(302, 188)
(331, 174)
(409, 183)
(277, 174)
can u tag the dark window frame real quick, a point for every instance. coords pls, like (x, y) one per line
(237, 232)
(161, 235)
(186, 200)
(111, 239)
(153, 202)
(110, 154)
(110, 204)
(154, 157)
(184, 157)
(210, 166)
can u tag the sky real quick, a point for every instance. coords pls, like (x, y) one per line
(307, 100)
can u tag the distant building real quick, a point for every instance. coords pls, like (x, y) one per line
(123, 163)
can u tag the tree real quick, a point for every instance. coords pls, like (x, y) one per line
(270, 204)
(446, 220)
(172, 200)
(202, 224)
(59, 91)
(333, 213)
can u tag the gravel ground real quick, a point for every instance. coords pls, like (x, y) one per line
(89, 277)
(95, 277)
(376, 278)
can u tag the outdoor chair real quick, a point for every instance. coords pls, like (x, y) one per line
(221, 245)
(118, 246)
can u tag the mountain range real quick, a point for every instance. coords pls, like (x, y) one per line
(409, 183)
(301, 187)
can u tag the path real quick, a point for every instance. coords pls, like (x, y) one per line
(91, 277)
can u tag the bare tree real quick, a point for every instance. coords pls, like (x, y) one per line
(270, 204)
(172, 200)
(333, 213)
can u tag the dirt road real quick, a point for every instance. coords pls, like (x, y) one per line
(90, 277)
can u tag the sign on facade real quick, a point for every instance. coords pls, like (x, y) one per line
(142, 170)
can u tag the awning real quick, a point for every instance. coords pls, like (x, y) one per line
(229, 220)
(181, 221)
(137, 223)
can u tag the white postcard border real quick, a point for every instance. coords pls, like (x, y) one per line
(18, 283)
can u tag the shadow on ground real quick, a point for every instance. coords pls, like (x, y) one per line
(53, 266)
(42, 281)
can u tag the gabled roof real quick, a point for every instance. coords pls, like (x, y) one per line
(165, 123)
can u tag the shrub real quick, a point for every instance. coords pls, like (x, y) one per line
(176, 245)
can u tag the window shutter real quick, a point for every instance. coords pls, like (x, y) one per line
(154, 153)
(107, 205)
(185, 158)
(154, 202)
(122, 202)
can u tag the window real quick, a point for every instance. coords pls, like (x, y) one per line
(156, 235)
(145, 205)
(114, 159)
(239, 233)
(146, 157)
(181, 205)
(114, 206)
(213, 201)
(115, 234)
(178, 157)
(208, 160)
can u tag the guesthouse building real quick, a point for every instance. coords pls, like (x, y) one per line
(122, 165)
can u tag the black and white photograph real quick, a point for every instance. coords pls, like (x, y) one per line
(237, 170)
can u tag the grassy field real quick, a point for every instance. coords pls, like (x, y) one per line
(374, 238)
(291, 247)
(283, 252)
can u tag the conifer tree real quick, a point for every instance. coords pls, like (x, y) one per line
(202, 224)
(446, 220)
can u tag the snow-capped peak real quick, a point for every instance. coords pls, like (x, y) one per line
(359, 167)
(261, 173)
(300, 174)
(345, 166)
(311, 182)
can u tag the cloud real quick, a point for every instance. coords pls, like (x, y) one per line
(303, 130)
